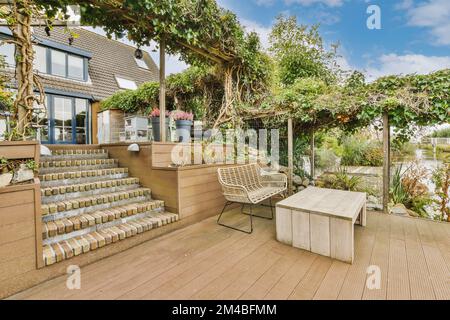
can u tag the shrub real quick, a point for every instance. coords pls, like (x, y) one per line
(325, 158)
(441, 133)
(339, 180)
(358, 151)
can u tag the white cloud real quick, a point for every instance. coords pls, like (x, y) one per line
(405, 4)
(265, 3)
(433, 14)
(262, 31)
(330, 3)
(393, 64)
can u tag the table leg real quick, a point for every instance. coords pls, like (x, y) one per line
(342, 239)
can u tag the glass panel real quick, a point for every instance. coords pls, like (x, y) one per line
(40, 59)
(76, 70)
(80, 119)
(126, 84)
(40, 118)
(141, 63)
(63, 119)
(7, 51)
(58, 63)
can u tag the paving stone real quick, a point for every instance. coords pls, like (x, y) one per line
(48, 255)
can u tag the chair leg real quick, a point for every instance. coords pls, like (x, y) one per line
(242, 211)
(263, 205)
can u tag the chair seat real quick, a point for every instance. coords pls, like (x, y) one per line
(264, 193)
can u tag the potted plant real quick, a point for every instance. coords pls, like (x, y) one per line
(183, 122)
(156, 124)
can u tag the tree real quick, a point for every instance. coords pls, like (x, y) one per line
(300, 52)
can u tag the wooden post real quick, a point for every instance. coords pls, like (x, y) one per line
(162, 89)
(313, 158)
(386, 161)
(290, 157)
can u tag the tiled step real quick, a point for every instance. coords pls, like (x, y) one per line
(68, 157)
(71, 191)
(63, 228)
(84, 176)
(75, 165)
(66, 249)
(70, 208)
(78, 152)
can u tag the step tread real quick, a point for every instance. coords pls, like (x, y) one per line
(75, 163)
(66, 249)
(81, 174)
(83, 187)
(66, 225)
(78, 151)
(81, 202)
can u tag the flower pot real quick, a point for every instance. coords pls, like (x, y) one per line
(183, 130)
(156, 126)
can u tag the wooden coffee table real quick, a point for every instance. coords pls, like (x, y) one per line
(321, 221)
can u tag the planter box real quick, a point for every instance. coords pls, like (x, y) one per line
(20, 150)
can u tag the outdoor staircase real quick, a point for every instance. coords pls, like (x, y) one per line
(89, 202)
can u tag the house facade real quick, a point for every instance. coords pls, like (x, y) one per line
(76, 77)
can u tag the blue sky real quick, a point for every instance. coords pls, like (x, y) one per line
(414, 34)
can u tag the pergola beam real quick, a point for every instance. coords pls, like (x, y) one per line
(386, 160)
(162, 90)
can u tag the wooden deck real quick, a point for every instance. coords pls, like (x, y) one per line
(206, 261)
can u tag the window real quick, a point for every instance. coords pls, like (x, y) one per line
(63, 119)
(141, 63)
(40, 59)
(80, 120)
(7, 51)
(58, 63)
(76, 67)
(126, 83)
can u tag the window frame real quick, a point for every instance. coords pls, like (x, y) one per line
(117, 77)
(49, 66)
(143, 61)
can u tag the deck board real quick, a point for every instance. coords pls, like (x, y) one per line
(207, 261)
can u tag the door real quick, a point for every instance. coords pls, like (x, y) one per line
(61, 124)
(67, 121)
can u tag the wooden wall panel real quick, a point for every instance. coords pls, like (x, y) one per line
(20, 218)
(95, 109)
(20, 150)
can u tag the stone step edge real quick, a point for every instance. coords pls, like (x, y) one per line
(53, 164)
(68, 157)
(67, 249)
(43, 171)
(60, 227)
(81, 174)
(78, 151)
(50, 210)
(88, 186)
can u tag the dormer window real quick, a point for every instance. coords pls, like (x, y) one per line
(126, 83)
(60, 63)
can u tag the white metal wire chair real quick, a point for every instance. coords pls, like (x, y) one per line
(247, 185)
